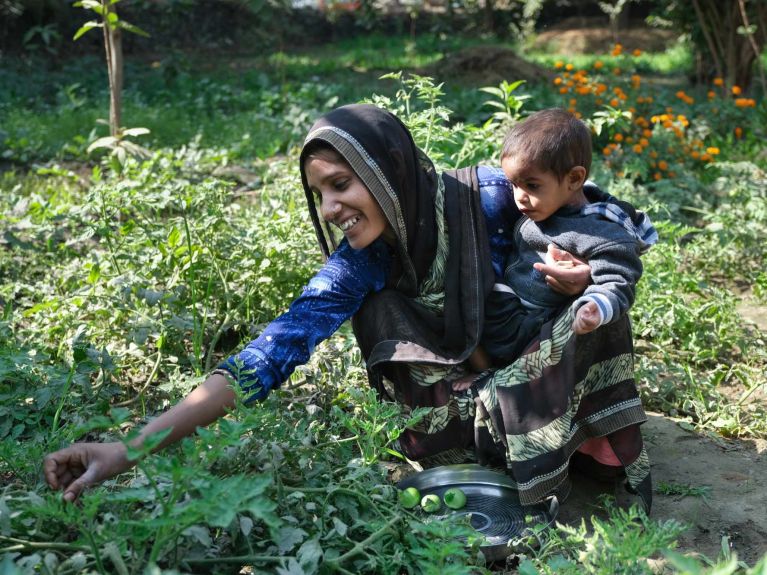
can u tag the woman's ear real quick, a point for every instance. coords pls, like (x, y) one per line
(576, 177)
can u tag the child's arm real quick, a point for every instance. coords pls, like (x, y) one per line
(82, 464)
(615, 271)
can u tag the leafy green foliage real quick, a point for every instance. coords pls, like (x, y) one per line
(121, 288)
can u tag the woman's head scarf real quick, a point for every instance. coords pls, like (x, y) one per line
(381, 151)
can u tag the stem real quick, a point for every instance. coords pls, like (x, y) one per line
(64, 393)
(95, 550)
(22, 544)
(240, 559)
(196, 338)
(146, 385)
(361, 546)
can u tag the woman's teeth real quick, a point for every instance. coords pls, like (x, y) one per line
(346, 226)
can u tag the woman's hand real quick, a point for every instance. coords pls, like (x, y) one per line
(564, 272)
(74, 468)
(82, 464)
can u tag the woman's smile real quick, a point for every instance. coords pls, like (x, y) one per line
(344, 199)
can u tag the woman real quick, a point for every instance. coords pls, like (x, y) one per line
(414, 267)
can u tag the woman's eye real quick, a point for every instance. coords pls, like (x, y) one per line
(341, 184)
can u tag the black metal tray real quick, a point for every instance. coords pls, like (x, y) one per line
(491, 501)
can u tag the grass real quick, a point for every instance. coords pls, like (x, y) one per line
(125, 287)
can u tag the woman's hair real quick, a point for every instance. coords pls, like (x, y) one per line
(322, 149)
(552, 140)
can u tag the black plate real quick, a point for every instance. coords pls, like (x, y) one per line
(491, 501)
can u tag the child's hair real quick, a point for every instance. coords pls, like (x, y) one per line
(552, 140)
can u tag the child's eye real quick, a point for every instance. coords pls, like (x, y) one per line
(341, 184)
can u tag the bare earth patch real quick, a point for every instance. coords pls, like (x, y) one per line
(578, 36)
(731, 473)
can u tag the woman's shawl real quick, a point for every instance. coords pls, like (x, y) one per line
(392, 326)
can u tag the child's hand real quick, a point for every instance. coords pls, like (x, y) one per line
(586, 318)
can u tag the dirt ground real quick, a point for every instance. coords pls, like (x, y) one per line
(733, 473)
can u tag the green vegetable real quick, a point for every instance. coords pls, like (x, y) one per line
(430, 503)
(409, 497)
(454, 498)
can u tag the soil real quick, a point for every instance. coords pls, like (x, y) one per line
(732, 472)
(581, 36)
(485, 66)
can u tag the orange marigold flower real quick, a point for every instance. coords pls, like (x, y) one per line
(644, 142)
(680, 94)
(637, 52)
(578, 115)
(617, 49)
(617, 71)
(563, 90)
(718, 82)
(573, 101)
(738, 132)
(653, 154)
(736, 90)
(614, 102)
(711, 94)
(557, 81)
(636, 79)
(629, 140)
(646, 133)
(607, 150)
(598, 64)
(640, 100)
(618, 137)
(638, 148)
(712, 150)
(559, 64)
(672, 174)
(663, 165)
(657, 176)
(569, 67)
(706, 158)
(695, 154)
(601, 88)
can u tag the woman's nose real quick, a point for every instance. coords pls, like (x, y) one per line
(330, 208)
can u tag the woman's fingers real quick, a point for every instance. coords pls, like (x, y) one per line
(564, 272)
(76, 467)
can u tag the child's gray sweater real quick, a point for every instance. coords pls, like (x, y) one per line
(610, 249)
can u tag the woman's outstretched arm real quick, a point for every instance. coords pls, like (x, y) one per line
(74, 468)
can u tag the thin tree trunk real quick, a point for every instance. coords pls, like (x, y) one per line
(114, 54)
(754, 46)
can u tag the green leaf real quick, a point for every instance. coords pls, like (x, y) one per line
(105, 142)
(85, 27)
(526, 567)
(131, 28)
(135, 132)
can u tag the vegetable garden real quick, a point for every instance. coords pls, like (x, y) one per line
(128, 271)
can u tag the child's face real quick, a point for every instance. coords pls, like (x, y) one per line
(538, 194)
(345, 201)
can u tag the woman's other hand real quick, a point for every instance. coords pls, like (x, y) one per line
(564, 272)
(74, 468)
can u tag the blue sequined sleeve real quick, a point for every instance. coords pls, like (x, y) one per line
(501, 213)
(331, 297)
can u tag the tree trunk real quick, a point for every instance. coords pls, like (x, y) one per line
(114, 52)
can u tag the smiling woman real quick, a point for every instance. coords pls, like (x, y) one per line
(419, 254)
(344, 200)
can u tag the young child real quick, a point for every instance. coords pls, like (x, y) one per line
(547, 158)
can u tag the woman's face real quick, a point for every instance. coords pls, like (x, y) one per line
(344, 200)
